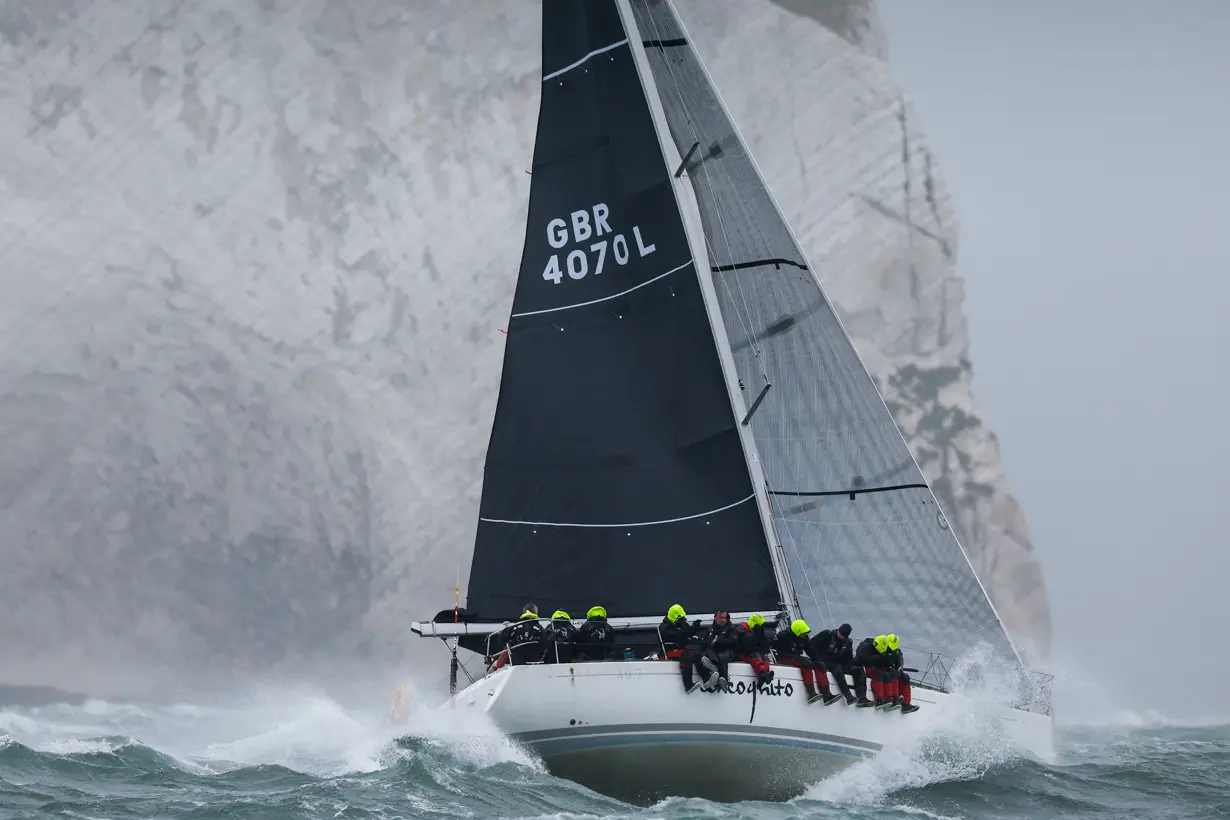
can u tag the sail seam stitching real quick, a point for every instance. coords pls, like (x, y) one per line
(635, 524)
(604, 298)
(584, 59)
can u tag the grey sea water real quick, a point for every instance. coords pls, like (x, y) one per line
(294, 754)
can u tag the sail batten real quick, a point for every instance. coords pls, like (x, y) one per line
(624, 292)
(627, 523)
(865, 538)
(577, 64)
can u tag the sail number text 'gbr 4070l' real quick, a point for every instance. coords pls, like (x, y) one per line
(581, 228)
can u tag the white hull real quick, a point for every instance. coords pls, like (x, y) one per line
(627, 729)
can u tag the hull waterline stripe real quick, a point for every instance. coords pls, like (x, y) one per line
(605, 298)
(549, 747)
(659, 729)
(633, 524)
(584, 59)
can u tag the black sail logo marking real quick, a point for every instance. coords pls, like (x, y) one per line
(768, 690)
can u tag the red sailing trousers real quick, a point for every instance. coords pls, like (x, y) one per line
(759, 664)
(809, 674)
(901, 688)
(886, 685)
(879, 682)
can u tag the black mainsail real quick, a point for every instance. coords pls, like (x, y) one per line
(615, 474)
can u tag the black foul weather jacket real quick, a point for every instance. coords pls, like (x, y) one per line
(868, 655)
(724, 638)
(788, 645)
(843, 652)
(753, 640)
(595, 638)
(680, 634)
(521, 632)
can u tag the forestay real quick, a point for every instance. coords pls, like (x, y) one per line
(615, 474)
(865, 539)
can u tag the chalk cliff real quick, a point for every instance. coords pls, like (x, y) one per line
(254, 257)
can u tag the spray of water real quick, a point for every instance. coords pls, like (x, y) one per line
(308, 731)
(300, 728)
(959, 739)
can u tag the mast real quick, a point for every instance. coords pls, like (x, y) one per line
(685, 198)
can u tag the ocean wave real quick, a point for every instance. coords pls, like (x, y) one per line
(305, 754)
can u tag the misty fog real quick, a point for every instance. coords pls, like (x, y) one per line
(1085, 144)
(255, 261)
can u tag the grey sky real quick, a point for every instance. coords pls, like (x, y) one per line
(1086, 147)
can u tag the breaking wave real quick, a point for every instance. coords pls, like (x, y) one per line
(304, 753)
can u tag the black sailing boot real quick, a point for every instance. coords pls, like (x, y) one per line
(906, 708)
(689, 686)
(723, 681)
(822, 683)
(810, 691)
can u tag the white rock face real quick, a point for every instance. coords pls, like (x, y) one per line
(254, 257)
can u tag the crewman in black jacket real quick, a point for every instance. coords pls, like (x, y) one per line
(790, 649)
(596, 636)
(682, 641)
(872, 654)
(722, 645)
(522, 640)
(820, 650)
(754, 648)
(838, 657)
(561, 638)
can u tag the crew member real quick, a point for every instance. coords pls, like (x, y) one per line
(561, 638)
(820, 649)
(899, 685)
(681, 641)
(596, 636)
(790, 649)
(754, 648)
(872, 655)
(722, 645)
(840, 661)
(522, 640)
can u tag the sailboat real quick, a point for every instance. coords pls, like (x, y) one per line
(683, 419)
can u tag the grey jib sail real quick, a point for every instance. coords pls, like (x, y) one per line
(614, 473)
(865, 540)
